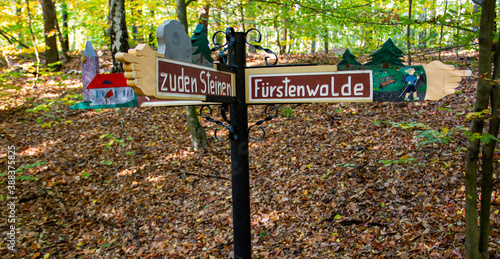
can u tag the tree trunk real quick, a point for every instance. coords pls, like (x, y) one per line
(278, 41)
(64, 48)
(136, 37)
(182, 13)
(65, 29)
(442, 27)
(472, 243)
(325, 41)
(285, 36)
(408, 34)
(198, 136)
(251, 19)
(49, 18)
(242, 18)
(204, 16)
(117, 31)
(422, 36)
(19, 13)
(488, 160)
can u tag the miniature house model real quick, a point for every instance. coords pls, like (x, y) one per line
(109, 89)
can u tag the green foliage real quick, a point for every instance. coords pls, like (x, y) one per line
(85, 174)
(478, 115)
(113, 139)
(403, 160)
(434, 136)
(345, 24)
(7, 76)
(22, 168)
(427, 136)
(44, 110)
(105, 162)
(326, 175)
(405, 125)
(485, 137)
(287, 112)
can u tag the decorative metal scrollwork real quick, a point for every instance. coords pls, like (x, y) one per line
(261, 48)
(229, 35)
(223, 110)
(271, 111)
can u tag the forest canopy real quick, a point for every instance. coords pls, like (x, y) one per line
(287, 26)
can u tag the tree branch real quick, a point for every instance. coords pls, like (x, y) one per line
(337, 13)
(11, 39)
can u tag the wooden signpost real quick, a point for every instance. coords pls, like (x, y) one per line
(168, 74)
(186, 83)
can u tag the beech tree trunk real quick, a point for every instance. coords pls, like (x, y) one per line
(198, 135)
(117, 32)
(476, 240)
(49, 18)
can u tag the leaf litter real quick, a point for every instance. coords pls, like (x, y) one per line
(328, 181)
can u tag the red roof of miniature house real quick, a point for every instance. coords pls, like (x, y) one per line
(107, 81)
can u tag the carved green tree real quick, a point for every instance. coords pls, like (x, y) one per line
(386, 56)
(200, 41)
(349, 61)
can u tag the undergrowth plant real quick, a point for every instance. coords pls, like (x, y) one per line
(115, 141)
(7, 77)
(425, 134)
(44, 110)
(287, 112)
(403, 160)
(22, 168)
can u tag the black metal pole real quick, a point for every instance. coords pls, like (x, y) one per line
(239, 153)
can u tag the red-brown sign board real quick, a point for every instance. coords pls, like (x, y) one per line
(308, 84)
(181, 80)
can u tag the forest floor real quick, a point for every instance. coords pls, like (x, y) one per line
(342, 180)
